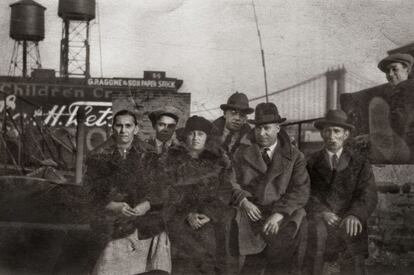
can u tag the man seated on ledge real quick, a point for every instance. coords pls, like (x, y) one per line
(343, 197)
(274, 188)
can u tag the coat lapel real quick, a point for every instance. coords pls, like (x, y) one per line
(253, 156)
(344, 160)
(276, 167)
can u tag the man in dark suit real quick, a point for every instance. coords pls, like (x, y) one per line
(273, 190)
(343, 197)
(164, 122)
(232, 128)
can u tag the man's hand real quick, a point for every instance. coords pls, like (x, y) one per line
(142, 208)
(353, 225)
(331, 218)
(120, 208)
(272, 224)
(252, 211)
(197, 220)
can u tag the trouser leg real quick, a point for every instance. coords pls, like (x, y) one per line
(281, 251)
(254, 264)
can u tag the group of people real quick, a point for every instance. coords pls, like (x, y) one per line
(225, 198)
(235, 196)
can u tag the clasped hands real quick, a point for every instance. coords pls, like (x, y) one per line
(197, 220)
(124, 209)
(271, 226)
(352, 224)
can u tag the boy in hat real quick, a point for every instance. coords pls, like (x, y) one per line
(343, 197)
(274, 188)
(164, 122)
(232, 127)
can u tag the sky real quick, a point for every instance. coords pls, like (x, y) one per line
(213, 45)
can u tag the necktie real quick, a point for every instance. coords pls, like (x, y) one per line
(266, 157)
(334, 162)
(227, 142)
(164, 148)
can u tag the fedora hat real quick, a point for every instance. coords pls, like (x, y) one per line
(238, 101)
(266, 113)
(334, 118)
(167, 111)
(403, 58)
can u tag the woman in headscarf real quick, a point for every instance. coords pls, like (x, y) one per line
(200, 178)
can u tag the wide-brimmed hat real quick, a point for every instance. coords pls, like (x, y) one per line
(166, 111)
(334, 118)
(238, 101)
(403, 58)
(198, 123)
(266, 113)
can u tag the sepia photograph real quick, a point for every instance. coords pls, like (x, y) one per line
(206, 137)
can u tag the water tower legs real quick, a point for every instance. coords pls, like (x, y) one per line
(74, 49)
(25, 57)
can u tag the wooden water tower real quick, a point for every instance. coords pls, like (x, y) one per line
(27, 28)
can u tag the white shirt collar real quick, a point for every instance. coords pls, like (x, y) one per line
(159, 144)
(331, 154)
(338, 154)
(271, 150)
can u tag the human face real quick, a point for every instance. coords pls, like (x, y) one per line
(266, 134)
(334, 137)
(396, 73)
(125, 129)
(235, 119)
(196, 140)
(164, 128)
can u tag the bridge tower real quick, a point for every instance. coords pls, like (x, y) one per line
(335, 86)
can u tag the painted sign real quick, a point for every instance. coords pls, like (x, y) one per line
(57, 104)
(134, 83)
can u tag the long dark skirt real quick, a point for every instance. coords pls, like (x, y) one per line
(200, 251)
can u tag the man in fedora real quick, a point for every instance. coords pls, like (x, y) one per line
(232, 127)
(273, 190)
(164, 121)
(343, 197)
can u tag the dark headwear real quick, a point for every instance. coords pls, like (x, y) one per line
(198, 123)
(266, 113)
(334, 118)
(403, 58)
(238, 101)
(167, 111)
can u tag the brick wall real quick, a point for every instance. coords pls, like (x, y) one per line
(392, 224)
(145, 102)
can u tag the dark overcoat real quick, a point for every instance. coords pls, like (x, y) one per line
(348, 191)
(110, 177)
(282, 188)
(244, 135)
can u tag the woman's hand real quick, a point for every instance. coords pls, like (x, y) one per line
(197, 220)
(120, 208)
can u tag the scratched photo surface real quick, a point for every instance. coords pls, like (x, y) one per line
(308, 56)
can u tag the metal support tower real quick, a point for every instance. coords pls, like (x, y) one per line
(74, 49)
(25, 57)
